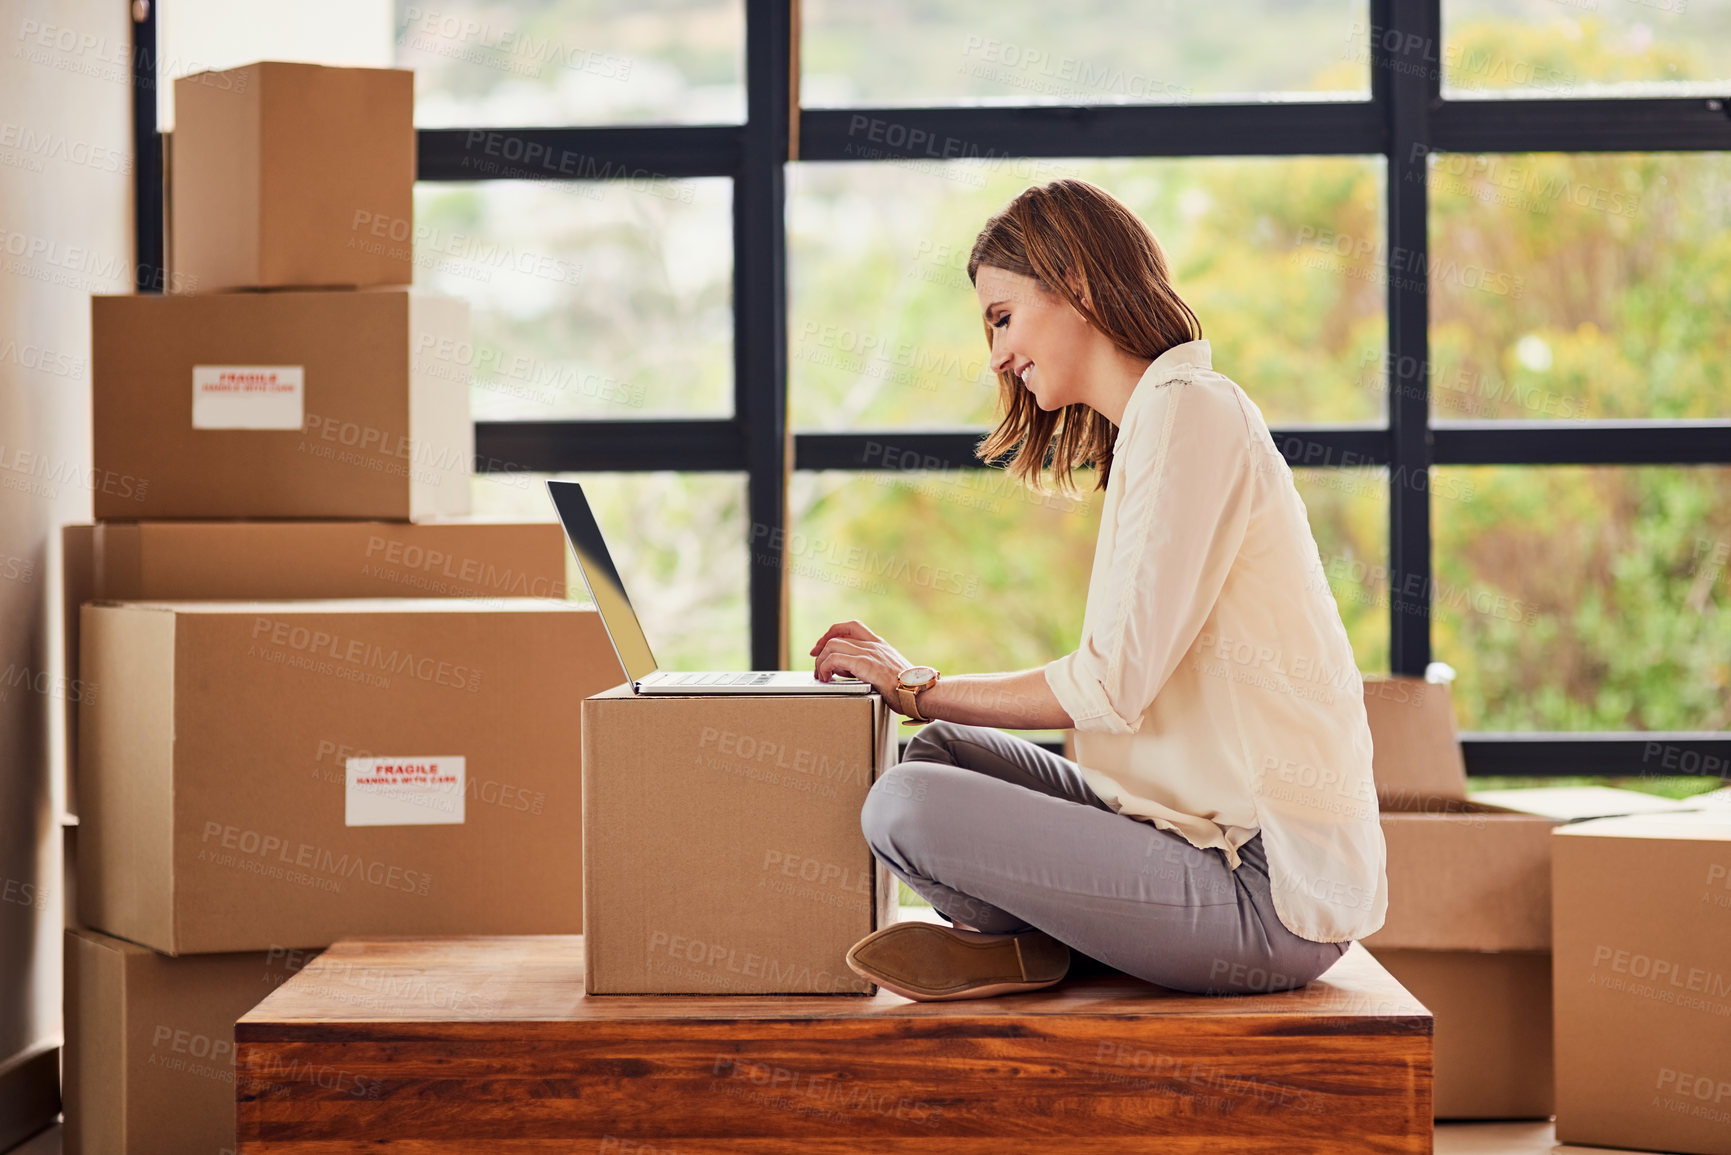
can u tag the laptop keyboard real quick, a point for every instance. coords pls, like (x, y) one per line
(752, 678)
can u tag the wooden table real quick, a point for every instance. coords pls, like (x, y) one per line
(488, 1045)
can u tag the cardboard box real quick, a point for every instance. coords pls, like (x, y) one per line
(1415, 750)
(1468, 877)
(1492, 1023)
(1464, 873)
(149, 1060)
(271, 560)
(292, 175)
(1642, 974)
(288, 405)
(722, 842)
(258, 774)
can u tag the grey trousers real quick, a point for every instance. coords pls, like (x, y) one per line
(1002, 835)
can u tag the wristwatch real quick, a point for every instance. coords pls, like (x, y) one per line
(909, 685)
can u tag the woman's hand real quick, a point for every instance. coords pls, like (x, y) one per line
(850, 648)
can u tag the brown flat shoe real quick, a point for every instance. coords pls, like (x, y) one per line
(928, 962)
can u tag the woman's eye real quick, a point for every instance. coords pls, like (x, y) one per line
(1001, 321)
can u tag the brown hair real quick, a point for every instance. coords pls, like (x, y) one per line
(1052, 232)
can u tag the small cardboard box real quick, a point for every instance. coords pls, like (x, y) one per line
(259, 774)
(1468, 880)
(292, 175)
(1642, 972)
(149, 1059)
(722, 844)
(289, 405)
(272, 560)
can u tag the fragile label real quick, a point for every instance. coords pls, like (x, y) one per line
(404, 791)
(248, 396)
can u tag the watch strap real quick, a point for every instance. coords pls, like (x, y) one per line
(908, 698)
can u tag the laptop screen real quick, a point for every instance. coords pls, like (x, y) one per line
(605, 588)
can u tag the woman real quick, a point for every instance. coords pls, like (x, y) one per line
(1218, 831)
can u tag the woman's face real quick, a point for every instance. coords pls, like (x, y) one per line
(1036, 335)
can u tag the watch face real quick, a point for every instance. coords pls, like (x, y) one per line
(915, 675)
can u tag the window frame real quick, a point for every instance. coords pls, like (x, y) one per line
(1405, 117)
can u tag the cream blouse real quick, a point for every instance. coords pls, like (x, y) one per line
(1214, 691)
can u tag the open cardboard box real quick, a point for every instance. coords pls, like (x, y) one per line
(1467, 871)
(1469, 918)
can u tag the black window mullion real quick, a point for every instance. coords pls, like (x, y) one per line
(1601, 442)
(601, 152)
(1298, 128)
(1406, 57)
(1597, 754)
(582, 445)
(908, 450)
(147, 207)
(1609, 124)
(760, 320)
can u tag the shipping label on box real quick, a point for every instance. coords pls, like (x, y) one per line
(304, 404)
(403, 791)
(248, 396)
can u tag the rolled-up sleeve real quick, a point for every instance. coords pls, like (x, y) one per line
(1185, 467)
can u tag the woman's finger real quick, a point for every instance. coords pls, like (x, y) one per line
(835, 648)
(834, 663)
(847, 629)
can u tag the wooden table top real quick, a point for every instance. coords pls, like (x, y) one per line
(540, 979)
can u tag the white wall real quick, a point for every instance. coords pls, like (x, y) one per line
(195, 35)
(65, 233)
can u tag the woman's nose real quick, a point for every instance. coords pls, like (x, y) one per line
(1001, 357)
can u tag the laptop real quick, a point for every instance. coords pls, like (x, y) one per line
(626, 632)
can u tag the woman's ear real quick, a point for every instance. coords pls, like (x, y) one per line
(1079, 286)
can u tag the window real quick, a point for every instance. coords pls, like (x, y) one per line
(679, 541)
(1580, 286)
(959, 568)
(1585, 598)
(1348, 512)
(1481, 306)
(517, 63)
(1278, 256)
(1097, 52)
(1582, 48)
(596, 299)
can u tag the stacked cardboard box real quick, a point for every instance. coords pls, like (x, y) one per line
(320, 703)
(318, 399)
(1468, 928)
(289, 560)
(149, 1059)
